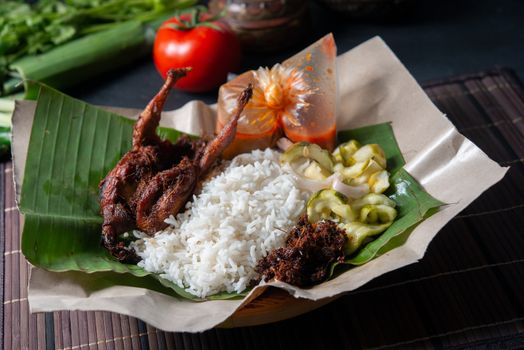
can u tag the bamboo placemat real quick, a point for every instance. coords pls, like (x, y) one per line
(468, 291)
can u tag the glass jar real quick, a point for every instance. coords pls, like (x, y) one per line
(265, 25)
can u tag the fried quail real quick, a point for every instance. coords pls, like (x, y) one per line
(156, 178)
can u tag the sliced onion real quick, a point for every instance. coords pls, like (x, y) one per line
(334, 181)
(313, 185)
(308, 184)
(347, 190)
(284, 143)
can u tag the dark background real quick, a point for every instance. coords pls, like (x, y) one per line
(434, 39)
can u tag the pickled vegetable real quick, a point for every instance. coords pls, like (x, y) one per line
(374, 199)
(362, 165)
(308, 151)
(369, 152)
(329, 204)
(355, 199)
(377, 214)
(343, 152)
(316, 172)
(357, 233)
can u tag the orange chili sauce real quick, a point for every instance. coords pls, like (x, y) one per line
(247, 142)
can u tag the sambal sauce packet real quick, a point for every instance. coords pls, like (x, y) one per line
(296, 99)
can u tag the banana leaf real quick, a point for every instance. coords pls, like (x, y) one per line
(73, 145)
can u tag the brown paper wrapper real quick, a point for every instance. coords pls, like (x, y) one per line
(374, 87)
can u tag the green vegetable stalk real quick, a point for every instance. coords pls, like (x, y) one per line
(7, 106)
(81, 59)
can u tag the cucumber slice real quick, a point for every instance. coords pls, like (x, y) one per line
(310, 151)
(367, 152)
(344, 151)
(329, 204)
(358, 232)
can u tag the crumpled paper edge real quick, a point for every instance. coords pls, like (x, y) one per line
(365, 83)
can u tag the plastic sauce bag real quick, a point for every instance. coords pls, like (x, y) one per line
(296, 98)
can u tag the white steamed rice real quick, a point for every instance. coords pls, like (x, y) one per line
(240, 215)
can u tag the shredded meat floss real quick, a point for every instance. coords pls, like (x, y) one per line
(305, 260)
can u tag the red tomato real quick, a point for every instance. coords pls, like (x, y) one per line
(212, 52)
